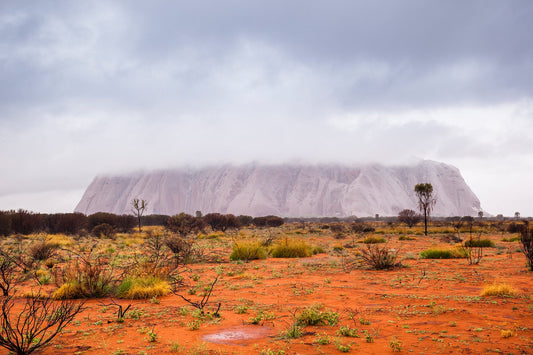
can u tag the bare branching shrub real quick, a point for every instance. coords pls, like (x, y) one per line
(40, 321)
(205, 299)
(379, 258)
(7, 273)
(157, 253)
(473, 245)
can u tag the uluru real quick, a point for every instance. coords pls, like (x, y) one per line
(288, 190)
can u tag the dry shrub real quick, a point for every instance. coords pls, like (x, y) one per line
(43, 250)
(450, 238)
(499, 289)
(184, 249)
(379, 258)
(85, 275)
(104, 230)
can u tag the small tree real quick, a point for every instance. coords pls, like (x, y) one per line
(526, 241)
(221, 222)
(409, 217)
(185, 224)
(426, 201)
(138, 209)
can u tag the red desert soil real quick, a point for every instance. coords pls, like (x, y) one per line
(425, 307)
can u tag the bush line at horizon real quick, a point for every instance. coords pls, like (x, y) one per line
(27, 222)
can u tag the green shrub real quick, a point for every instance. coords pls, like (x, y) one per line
(346, 331)
(512, 239)
(291, 249)
(443, 254)
(372, 240)
(322, 339)
(479, 243)
(406, 237)
(314, 316)
(248, 251)
(142, 287)
(294, 331)
(318, 250)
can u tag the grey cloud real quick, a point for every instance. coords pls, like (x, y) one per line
(85, 84)
(121, 48)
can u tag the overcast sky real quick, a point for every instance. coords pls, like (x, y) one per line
(94, 87)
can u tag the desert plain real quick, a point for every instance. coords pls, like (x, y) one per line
(326, 302)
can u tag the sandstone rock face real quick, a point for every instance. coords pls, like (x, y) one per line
(284, 190)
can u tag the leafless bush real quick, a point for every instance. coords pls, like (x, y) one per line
(473, 250)
(205, 299)
(40, 320)
(7, 273)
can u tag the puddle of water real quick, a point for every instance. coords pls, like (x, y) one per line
(237, 334)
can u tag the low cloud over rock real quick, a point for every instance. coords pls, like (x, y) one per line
(284, 190)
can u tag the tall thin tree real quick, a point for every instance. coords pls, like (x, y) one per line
(426, 201)
(139, 206)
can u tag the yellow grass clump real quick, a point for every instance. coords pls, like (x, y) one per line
(69, 290)
(143, 287)
(33, 294)
(60, 239)
(499, 289)
(212, 235)
(507, 333)
(288, 248)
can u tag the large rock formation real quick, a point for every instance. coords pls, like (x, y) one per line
(284, 190)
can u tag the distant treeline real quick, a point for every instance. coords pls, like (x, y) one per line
(102, 223)
(26, 222)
